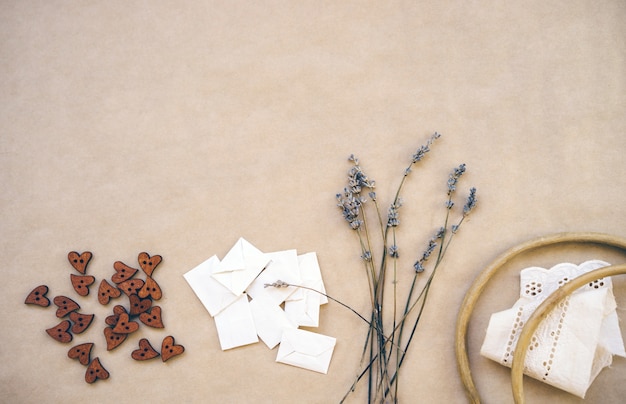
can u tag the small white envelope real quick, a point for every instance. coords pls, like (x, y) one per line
(306, 349)
(235, 325)
(305, 311)
(213, 295)
(240, 266)
(310, 271)
(270, 321)
(283, 266)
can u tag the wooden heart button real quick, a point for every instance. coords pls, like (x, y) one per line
(79, 261)
(95, 371)
(138, 306)
(65, 305)
(125, 325)
(150, 289)
(81, 283)
(112, 319)
(81, 321)
(147, 263)
(59, 332)
(106, 291)
(122, 272)
(38, 296)
(152, 319)
(81, 352)
(113, 339)
(144, 352)
(131, 286)
(169, 349)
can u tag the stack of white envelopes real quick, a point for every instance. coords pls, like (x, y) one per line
(234, 292)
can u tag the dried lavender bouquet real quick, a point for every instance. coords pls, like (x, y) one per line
(388, 339)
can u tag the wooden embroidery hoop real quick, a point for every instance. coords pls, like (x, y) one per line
(477, 287)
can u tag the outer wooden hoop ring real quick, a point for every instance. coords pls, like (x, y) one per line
(475, 290)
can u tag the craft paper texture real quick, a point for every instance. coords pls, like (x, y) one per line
(213, 295)
(235, 324)
(575, 341)
(306, 349)
(240, 266)
(283, 265)
(174, 127)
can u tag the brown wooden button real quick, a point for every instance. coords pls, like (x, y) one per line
(65, 305)
(95, 371)
(169, 349)
(82, 352)
(38, 296)
(106, 292)
(122, 272)
(79, 261)
(145, 351)
(60, 331)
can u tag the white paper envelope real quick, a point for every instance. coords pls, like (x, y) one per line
(270, 321)
(213, 295)
(235, 325)
(311, 274)
(240, 266)
(306, 349)
(305, 311)
(283, 266)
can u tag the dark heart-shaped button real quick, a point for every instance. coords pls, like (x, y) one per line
(125, 325)
(153, 318)
(122, 272)
(169, 349)
(81, 321)
(82, 352)
(38, 296)
(131, 286)
(65, 305)
(79, 261)
(112, 319)
(147, 263)
(60, 331)
(81, 283)
(150, 289)
(138, 306)
(95, 371)
(145, 351)
(113, 339)
(106, 292)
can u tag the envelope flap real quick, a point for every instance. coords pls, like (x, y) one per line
(234, 260)
(309, 343)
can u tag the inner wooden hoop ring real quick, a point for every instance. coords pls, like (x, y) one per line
(541, 312)
(475, 290)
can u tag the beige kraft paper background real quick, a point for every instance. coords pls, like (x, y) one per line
(175, 127)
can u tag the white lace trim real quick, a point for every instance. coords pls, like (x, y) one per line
(575, 341)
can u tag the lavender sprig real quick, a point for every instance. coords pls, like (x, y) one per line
(387, 351)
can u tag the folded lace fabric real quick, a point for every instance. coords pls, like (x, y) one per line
(577, 339)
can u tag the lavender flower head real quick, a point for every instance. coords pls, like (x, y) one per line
(351, 201)
(471, 202)
(392, 215)
(432, 244)
(357, 180)
(454, 178)
(350, 206)
(393, 251)
(421, 152)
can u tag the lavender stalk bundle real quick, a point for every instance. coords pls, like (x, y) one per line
(388, 339)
